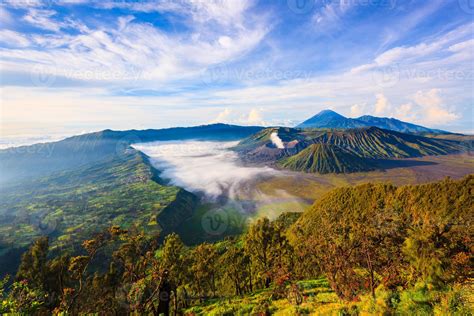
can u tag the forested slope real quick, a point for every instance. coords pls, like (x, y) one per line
(370, 249)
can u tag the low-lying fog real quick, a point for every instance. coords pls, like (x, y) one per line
(203, 166)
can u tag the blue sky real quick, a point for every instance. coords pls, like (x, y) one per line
(76, 66)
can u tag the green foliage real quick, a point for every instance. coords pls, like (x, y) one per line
(24, 299)
(369, 235)
(71, 206)
(267, 246)
(33, 264)
(203, 268)
(370, 249)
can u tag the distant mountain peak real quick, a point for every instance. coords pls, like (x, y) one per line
(334, 120)
(328, 112)
(330, 119)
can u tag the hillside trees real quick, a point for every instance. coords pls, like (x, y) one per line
(438, 246)
(369, 235)
(203, 268)
(236, 268)
(366, 240)
(269, 250)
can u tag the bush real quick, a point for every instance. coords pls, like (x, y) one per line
(384, 302)
(454, 302)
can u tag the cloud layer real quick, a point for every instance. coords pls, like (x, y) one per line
(81, 65)
(203, 166)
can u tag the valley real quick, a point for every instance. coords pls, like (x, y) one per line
(172, 180)
(203, 185)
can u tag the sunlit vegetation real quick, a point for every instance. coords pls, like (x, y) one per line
(72, 205)
(369, 249)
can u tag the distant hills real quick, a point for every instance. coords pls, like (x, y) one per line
(339, 151)
(333, 120)
(71, 206)
(38, 160)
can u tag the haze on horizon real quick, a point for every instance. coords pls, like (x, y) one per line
(77, 66)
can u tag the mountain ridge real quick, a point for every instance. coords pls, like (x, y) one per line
(38, 160)
(347, 150)
(334, 120)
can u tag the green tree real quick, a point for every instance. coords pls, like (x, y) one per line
(203, 268)
(235, 267)
(33, 264)
(174, 262)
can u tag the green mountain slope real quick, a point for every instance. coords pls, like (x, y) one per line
(373, 142)
(324, 158)
(71, 205)
(344, 151)
(39, 160)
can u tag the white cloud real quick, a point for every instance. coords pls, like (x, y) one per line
(424, 107)
(232, 116)
(358, 110)
(13, 38)
(433, 109)
(330, 16)
(117, 54)
(406, 112)
(202, 166)
(42, 19)
(254, 118)
(382, 105)
(222, 117)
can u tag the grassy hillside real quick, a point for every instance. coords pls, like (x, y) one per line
(377, 143)
(324, 158)
(71, 205)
